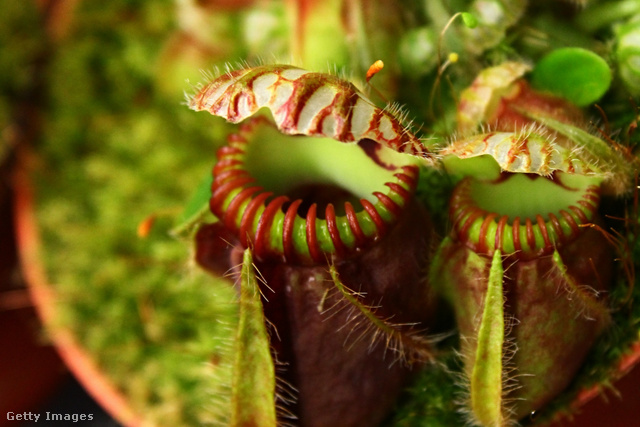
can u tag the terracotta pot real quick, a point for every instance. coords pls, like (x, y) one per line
(618, 407)
(79, 362)
(29, 368)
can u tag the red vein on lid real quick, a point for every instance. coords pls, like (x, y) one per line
(486, 139)
(300, 96)
(374, 126)
(344, 123)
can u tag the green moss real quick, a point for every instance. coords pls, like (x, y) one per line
(114, 152)
(22, 44)
(422, 406)
(152, 321)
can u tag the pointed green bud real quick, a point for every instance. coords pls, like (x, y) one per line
(253, 388)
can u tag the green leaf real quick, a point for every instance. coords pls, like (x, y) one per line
(197, 206)
(486, 377)
(253, 392)
(576, 74)
(470, 21)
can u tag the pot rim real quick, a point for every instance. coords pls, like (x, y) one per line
(78, 361)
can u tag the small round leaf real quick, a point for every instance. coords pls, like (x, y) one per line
(576, 74)
(470, 21)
